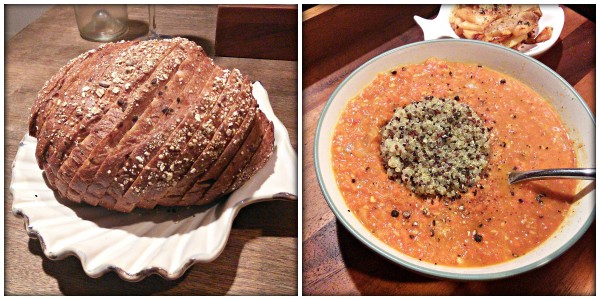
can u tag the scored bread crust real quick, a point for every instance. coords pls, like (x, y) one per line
(98, 96)
(179, 152)
(120, 121)
(226, 177)
(213, 137)
(220, 154)
(116, 119)
(65, 124)
(175, 141)
(47, 96)
(176, 130)
(234, 117)
(141, 123)
(259, 157)
(136, 151)
(50, 123)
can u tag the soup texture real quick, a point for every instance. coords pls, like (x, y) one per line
(493, 221)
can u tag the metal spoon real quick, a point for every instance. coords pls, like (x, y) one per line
(582, 173)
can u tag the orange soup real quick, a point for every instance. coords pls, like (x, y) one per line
(493, 221)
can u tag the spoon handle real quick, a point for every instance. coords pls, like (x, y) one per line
(583, 173)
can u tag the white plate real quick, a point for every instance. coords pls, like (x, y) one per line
(165, 241)
(552, 15)
(574, 113)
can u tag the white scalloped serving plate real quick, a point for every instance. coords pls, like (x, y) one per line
(552, 15)
(164, 241)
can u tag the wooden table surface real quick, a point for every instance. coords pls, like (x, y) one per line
(335, 262)
(261, 254)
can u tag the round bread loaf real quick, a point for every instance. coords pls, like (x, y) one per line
(146, 123)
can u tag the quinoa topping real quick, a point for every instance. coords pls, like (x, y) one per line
(436, 147)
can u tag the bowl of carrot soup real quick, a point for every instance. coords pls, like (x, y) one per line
(413, 150)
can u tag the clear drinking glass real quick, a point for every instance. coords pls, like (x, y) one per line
(152, 31)
(102, 23)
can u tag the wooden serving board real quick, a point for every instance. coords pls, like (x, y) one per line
(335, 262)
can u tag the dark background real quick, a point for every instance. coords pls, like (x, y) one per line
(586, 10)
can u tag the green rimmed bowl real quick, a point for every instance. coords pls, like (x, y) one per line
(573, 111)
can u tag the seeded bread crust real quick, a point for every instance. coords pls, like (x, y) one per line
(98, 96)
(175, 158)
(84, 107)
(240, 160)
(153, 116)
(136, 124)
(149, 180)
(50, 123)
(203, 101)
(134, 153)
(119, 121)
(239, 126)
(231, 97)
(112, 119)
(96, 99)
(64, 124)
(224, 135)
(259, 158)
(51, 90)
